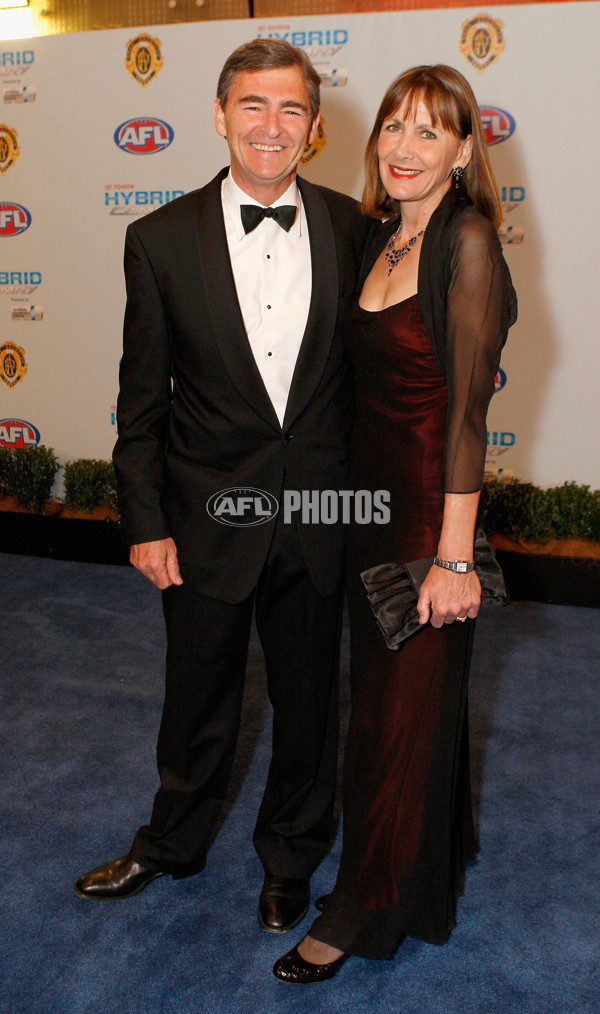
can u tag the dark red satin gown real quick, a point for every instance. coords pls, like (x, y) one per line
(408, 828)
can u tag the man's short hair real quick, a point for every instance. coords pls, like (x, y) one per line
(268, 54)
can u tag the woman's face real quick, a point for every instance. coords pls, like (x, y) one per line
(416, 158)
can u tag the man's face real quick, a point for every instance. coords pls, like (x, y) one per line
(267, 123)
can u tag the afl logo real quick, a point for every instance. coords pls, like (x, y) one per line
(18, 433)
(499, 380)
(242, 507)
(498, 125)
(143, 135)
(14, 219)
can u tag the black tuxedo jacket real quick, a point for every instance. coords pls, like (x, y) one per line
(194, 416)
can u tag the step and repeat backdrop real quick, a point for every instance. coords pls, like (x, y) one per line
(99, 128)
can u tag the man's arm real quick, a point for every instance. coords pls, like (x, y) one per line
(143, 410)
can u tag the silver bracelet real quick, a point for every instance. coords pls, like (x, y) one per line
(456, 566)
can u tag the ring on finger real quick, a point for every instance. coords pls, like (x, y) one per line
(461, 619)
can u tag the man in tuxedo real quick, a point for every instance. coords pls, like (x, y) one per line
(233, 377)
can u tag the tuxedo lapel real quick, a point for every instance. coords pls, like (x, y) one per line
(223, 305)
(322, 314)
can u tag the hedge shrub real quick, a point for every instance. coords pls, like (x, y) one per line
(30, 475)
(89, 483)
(521, 510)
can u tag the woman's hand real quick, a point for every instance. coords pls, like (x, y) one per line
(446, 596)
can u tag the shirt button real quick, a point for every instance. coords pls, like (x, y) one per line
(269, 353)
(268, 257)
(268, 306)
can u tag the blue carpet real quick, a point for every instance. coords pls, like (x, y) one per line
(82, 658)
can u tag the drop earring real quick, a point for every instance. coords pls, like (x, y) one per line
(457, 173)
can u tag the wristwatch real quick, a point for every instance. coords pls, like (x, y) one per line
(456, 566)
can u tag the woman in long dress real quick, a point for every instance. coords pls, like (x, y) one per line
(435, 304)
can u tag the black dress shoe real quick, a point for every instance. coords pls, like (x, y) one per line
(293, 968)
(283, 903)
(120, 878)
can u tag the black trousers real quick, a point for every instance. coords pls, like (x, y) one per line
(207, 646)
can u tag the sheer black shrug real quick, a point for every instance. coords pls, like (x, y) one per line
(468, 304)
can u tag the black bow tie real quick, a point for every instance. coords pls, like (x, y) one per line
(252, 214)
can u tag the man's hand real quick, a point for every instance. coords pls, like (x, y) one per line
(157, 561)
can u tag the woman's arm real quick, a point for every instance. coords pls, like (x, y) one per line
(475, 331)
(480, 306)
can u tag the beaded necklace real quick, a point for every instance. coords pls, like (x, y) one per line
(393, 257)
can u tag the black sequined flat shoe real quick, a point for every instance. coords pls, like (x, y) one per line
(293, 968)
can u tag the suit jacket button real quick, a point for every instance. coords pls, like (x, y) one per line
(286, 437)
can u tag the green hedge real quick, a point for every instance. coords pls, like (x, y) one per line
(5, 457)
(28, 473)
(89, 483)
(521, 510)
(516, 509)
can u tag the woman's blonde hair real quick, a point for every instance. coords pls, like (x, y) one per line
(449, 99)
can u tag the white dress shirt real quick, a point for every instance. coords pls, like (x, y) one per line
(273, 279)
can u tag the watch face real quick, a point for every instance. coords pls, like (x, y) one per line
(461, 567)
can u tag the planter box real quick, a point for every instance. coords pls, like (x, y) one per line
(61, 533)
(564, 580)
(565, 572)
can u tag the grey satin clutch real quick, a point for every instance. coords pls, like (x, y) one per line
(393, 590)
